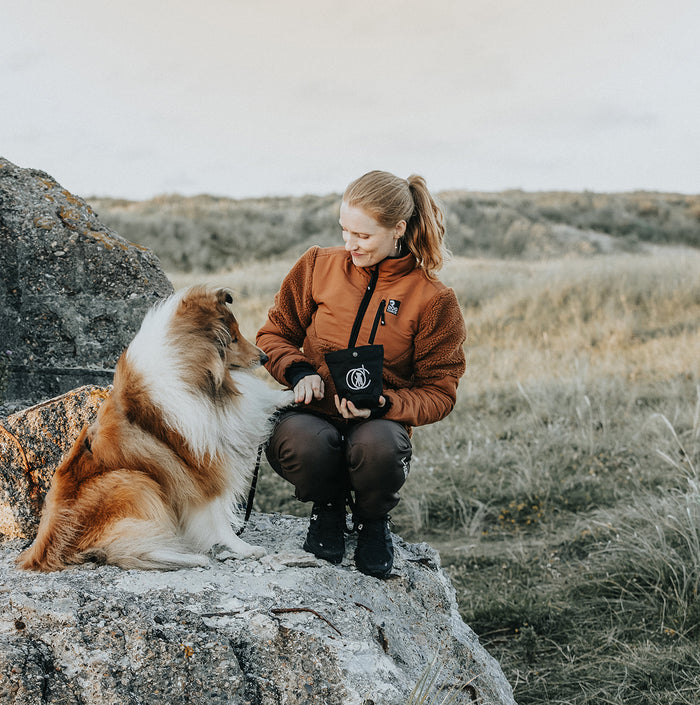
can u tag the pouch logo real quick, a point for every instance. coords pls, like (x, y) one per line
(393, 306)
(358, 378)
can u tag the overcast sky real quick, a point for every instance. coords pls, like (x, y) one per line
(134, 98)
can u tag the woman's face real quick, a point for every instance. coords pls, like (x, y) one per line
(366, 240)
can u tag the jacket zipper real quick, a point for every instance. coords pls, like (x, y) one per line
(379, 318)
(363, 307)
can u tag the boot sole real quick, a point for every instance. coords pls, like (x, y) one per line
(332, 558)
(375, 574)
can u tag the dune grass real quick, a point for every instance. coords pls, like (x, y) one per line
(207, 233)
(563, 492)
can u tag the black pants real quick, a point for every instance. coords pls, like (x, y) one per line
(324, 460)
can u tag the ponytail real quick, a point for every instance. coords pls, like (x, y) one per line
(390, 199)
(425, 231)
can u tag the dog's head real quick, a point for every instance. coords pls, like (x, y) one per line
(209, 337)
(234, 349)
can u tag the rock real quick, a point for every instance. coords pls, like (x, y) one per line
(32, 443)
(73, 292)
(287, 628)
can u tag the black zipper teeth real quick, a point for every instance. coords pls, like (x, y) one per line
(363, 307)
(379, 318)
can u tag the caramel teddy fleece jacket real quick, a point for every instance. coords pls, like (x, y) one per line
(420, 326)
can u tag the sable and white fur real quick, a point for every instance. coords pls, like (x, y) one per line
(155, 481)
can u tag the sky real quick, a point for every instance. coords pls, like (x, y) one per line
(247, 98)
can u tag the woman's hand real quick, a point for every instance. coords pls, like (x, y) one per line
(349, 411)
(308, 388)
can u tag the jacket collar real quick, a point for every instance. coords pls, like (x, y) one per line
(389, 269)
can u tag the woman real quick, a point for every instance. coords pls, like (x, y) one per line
(382, 288)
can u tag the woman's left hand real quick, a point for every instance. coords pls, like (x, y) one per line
(349, 411)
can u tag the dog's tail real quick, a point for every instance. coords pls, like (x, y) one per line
(58, 528)
(144, 544)
(57, 533)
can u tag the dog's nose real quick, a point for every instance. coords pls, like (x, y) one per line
(263, 358)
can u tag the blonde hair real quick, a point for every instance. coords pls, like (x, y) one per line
(390, 199)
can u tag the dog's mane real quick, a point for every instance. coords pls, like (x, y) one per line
(176, 355)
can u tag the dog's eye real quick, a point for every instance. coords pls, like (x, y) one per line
(234, 339)
(229, 299)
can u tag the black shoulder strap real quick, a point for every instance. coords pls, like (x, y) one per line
(363, 307)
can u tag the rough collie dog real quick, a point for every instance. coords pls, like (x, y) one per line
(155, 481)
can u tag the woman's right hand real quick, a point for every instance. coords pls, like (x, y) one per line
(308, 388)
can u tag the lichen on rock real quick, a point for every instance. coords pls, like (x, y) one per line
(32, 443)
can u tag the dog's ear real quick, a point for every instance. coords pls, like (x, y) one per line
(225, 296)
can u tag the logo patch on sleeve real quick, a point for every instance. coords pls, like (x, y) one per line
(393, 306)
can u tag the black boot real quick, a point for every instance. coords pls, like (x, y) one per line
(326, 535)
(374, 554)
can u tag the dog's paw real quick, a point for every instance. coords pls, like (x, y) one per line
(220, 552)
(251, 551)
(239, 550)
(286, 398)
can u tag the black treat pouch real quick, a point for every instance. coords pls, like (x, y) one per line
(357, 374)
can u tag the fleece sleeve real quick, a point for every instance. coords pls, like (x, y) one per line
(438, 364)
(282, 336)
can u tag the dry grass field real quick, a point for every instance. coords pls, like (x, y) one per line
(207, 233)
(563, 492)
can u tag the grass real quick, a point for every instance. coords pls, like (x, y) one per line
(439, 685)
(206, 233)
(563, 492)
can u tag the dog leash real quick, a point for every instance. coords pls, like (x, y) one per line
(251, 492)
